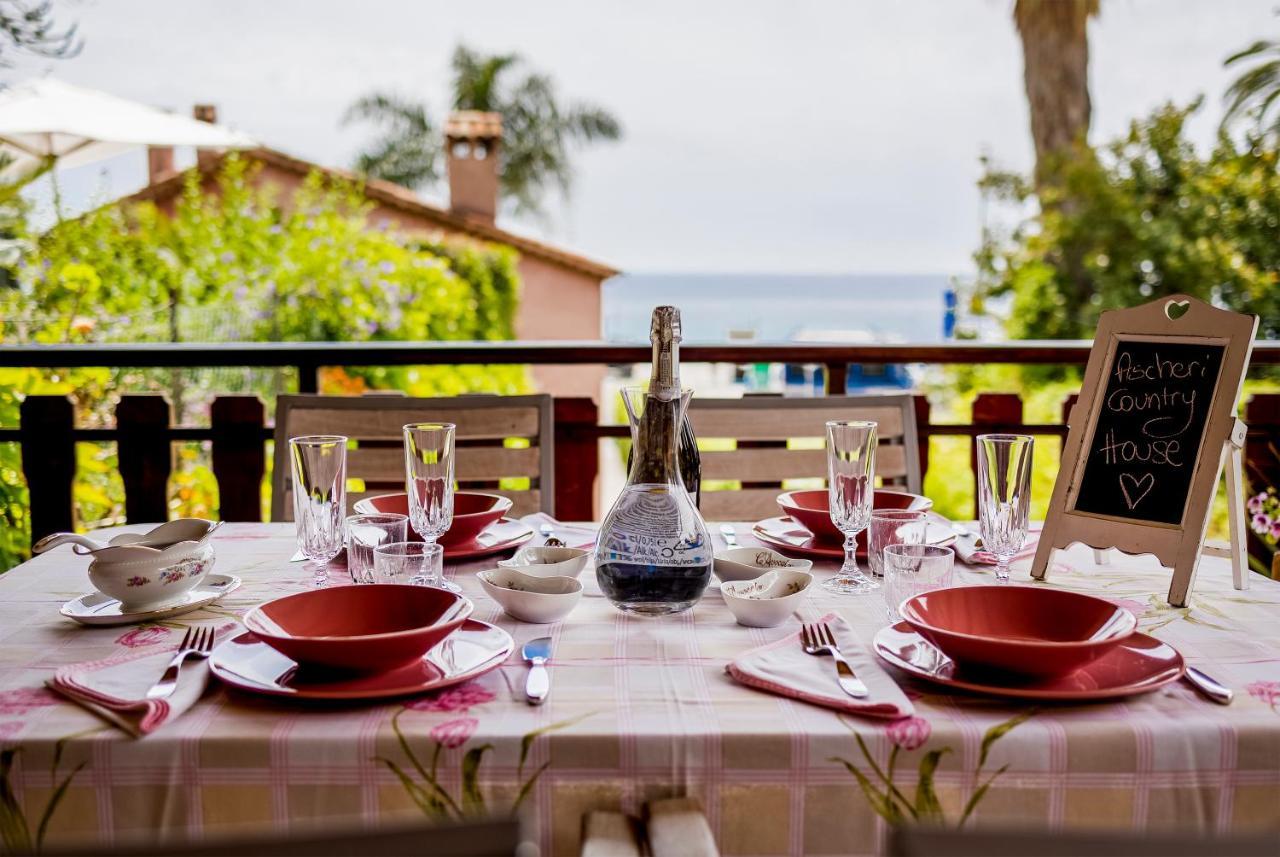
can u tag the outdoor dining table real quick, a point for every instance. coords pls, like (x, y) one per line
(640, 709)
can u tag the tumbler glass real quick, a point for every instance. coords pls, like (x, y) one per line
(1004, 495)
(319, 498)
(851, 471)
(366, 532)
(893, 527)
(415, 563)
(912, 569)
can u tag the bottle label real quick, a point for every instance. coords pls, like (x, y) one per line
(647, 528)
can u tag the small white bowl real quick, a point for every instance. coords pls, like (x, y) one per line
(768, 600)
(750, 563)
(530, 598)
(543, 561)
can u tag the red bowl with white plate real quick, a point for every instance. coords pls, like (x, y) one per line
(473, 513)
(1026, 631)
(812, 509)
(365, 629)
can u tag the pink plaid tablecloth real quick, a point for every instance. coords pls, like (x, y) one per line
(640, 709)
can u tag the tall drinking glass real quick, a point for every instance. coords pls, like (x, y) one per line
(428, 470)
(893, 527)
(1004, 495)
(851, 471)
(366, 532)
(319, 498)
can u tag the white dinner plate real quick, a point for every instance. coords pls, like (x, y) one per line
(99, 609)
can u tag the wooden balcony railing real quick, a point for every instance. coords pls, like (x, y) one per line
(238, 430)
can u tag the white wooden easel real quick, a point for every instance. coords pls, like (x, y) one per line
(1178, 547)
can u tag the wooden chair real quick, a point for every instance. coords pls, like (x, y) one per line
(498, 438)
(777, 440)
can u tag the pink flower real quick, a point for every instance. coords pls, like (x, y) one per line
(909, 733)
(454, 699)
(1264, 691)
(1255, 502)
(454, 733)
(139, 637)
(1275, 529)
(20, 700)
(1261, 523)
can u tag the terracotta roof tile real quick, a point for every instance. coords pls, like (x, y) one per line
(396, 197)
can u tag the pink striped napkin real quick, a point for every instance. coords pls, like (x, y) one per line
(782, 667)
(573, 535)
(969, 549)
(115, 689)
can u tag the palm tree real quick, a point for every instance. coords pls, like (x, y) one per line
(537, 130)
(1256, 92)
(1055, 53)
(409, 145)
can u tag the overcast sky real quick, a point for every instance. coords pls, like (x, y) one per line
(794, 136)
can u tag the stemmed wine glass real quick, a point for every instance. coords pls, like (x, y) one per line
(428, 470)
(1004, 495)
(319, 498)
(851, 470)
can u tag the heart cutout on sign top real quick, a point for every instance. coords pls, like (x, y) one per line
(1176, 309)
(1136, 488)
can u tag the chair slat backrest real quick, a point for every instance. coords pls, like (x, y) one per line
(502, 442)
(776, 441)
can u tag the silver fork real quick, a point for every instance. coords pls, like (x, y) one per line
(818, 640)
(196, 643)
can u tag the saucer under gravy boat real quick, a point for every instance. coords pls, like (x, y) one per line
(145, 571)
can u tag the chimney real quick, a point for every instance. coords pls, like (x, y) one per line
(472, 139)
(159, 163)
(206, 158)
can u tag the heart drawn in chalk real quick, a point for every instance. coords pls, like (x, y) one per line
(1136, 488)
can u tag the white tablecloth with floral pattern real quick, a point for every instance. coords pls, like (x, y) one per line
(640, 709)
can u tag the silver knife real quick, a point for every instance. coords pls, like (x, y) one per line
(1208, 686)
(536, 653)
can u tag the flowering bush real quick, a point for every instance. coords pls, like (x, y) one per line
(1264, 516)
(228, 266)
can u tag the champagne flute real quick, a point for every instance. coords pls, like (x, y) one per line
(851, 470)
(1004, 495)
(428, 470)
(319, 498)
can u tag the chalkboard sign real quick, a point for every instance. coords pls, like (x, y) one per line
(1150, 423)
(1148, 438)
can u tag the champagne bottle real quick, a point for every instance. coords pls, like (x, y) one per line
(653, 555)
(687, 456)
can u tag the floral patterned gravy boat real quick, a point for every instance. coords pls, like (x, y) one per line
(144, 571)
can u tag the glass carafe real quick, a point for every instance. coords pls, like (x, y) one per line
(653, 555)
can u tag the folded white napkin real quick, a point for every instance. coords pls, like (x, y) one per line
(573, 535)
(115, 689)
(782, 667)
(970, 551)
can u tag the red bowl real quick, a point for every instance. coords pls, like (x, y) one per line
(366, 629)
(812, 509)
(473, 512)
(1028, 631)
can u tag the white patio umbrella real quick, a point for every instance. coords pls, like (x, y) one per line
(44, 119)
